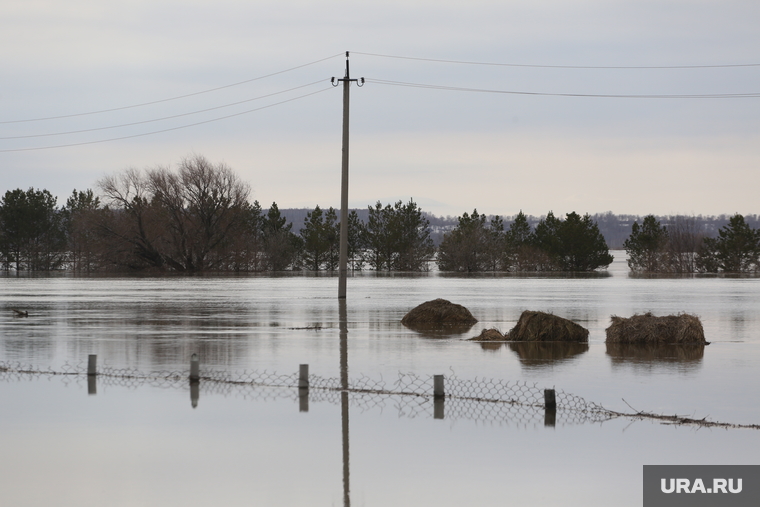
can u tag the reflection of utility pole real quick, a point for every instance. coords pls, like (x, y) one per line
(343, 317)
(344, 184)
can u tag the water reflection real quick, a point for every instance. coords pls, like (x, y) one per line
(538, 354)
(439, 330)
(195, 391)
(651, 354)
(439, 408)
(527, 274)
(343, 326)
(491, 346)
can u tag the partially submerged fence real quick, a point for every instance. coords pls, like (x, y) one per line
(442, 396)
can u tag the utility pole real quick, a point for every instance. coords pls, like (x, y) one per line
(343, 268)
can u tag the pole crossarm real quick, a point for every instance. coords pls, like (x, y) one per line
(347, 78)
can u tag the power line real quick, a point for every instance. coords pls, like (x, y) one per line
(547, 94)
(168, 129)
(537, 66)
(171, 98)
(163, 118)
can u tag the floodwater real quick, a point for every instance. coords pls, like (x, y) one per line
(143, 443)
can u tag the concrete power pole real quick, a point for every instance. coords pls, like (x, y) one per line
(343, 273)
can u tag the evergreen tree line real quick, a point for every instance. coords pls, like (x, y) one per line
(478, 244)
(681, 247)
(615, 228)
(198, 218)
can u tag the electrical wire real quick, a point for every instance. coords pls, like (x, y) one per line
(167, 129)
(171, 98)
(547, 94)
(536, 66)
(163, 118)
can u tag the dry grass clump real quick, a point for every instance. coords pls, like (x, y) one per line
(647, 328)
(439, 312)
(540, 326)
(489, 335)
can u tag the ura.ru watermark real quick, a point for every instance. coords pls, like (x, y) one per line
(701, 485)
(719, 485)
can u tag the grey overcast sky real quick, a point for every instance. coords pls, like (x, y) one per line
(451, 150)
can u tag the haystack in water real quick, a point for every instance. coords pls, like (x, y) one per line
(646, 328)
(545, 327)
(439, 312)
(489, 335)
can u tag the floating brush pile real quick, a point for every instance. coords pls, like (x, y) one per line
(545, 327)
(538, 327)
(489, 335)
(646, 328)
(438, 312)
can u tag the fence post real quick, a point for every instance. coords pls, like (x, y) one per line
(550, 408)
(550, 399)
(303, 376)
(195, 368)
(438, 389)
(92, 364)
(439, 397)
(303, 388)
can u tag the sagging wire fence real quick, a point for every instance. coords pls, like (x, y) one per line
(482, 400)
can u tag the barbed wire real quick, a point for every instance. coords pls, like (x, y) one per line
(483, 400)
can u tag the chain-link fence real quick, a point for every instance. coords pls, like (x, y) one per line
(483, 400)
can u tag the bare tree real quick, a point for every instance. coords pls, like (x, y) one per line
(685, 240)
(131, 221)
(188, 220)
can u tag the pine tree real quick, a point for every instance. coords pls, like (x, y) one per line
(573, 244)
(81, 216)
(320, 240)
(397, 237)
(281, 246)
(521, 253)
(356, 235)
(735, 250)
(647, 247)
(468, 247)
(583, 247)
(32, 234)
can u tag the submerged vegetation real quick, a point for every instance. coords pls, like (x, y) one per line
(574, 244)
(649, 329)
(681, 248)
(544, 327)
(489, 335)
(199, 218)
(439, 312)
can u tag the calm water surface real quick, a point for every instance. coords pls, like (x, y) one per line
(146, 445)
